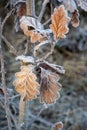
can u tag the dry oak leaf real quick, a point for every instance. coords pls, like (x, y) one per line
(26, 83)
(58, 126)
(31, 28)
(60, 21)
(49, 90)
(34, 36)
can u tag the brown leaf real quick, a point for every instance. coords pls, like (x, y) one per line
(26, 84)
(21, 9)
(58, 126)
(50, 87)
(75, 18)
(60, 22)
(34, 36)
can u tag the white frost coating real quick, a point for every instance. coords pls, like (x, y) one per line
(25, 59)
(82, 4)
(70, 5)
(32, 22)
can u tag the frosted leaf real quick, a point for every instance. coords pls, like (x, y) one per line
(30, 22)
(26, 84)
(70, 5)
(50, 87)
(33, 28)
(82, 4)
(58, 126)
(51, 67)
(60, 21)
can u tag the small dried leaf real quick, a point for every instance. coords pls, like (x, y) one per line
(60, 22)
(31, 28)
(58, 126)
(26, 84)
(75, 18)
(20, 9)
(50, 87)
(34, 29)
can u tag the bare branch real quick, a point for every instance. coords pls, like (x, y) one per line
(11, 48)
(14, 120)
(6, 18)
(49, 124)
(34, 8)
(43, 9)
(34, 119)
(3, 82)
(29, 6)
(48, 21)
(38, 46)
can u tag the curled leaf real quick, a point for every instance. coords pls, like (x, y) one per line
(50, 87)
(75, 18)
(31, 28)
(51, 67)
(60, 22)
(26, 83)
(31, 23)
(58, 126)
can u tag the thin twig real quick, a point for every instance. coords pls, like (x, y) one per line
(3, 82)
(27, 118)
(1, 104)
(47, 123)
(34, 8)
(11, 48)
(14, 120)
(6, 18)
(49, 53)
(38, 46)
(30, 6)
(34, 119)
(48, 21)
(43, 9)
(13, 97)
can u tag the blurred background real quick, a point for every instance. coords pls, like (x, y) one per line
(71, 53)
